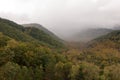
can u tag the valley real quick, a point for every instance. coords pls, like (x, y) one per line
(32, 52)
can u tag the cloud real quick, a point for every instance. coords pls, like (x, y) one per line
(16, 17)
(64, 17)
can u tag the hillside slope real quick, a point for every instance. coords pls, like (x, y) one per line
(14, 30)
(90, 34)
(104, 50)
(40, 35)
(111, 38)
(28, 34)
(40, 27)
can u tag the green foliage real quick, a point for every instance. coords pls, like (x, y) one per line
(42, 36)
(29, 34)
(26, 54)
(87, 71)
(112, 72)
(3, 40)
(63, 71)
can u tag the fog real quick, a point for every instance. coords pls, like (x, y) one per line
(63, 17)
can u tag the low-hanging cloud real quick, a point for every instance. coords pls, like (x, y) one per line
(64, 17)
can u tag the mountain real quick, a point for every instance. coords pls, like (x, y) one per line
(13, 30)
(110, 41)
(28, 34)
(114, 36)
(40, 27)
(41, 33)
(90, 34)
(117, 27)
(103, 51)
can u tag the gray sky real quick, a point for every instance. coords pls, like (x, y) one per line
(64, 17)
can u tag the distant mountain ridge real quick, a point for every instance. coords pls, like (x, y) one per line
(117, 27)
(90, 34)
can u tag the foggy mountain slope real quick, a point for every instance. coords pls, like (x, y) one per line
(40, 35)
(110, 41)
(90, 34)
(38, 26)
(114, 36)
(116, 27)
(43, 29)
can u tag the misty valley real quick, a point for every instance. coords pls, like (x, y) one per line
(32, 52)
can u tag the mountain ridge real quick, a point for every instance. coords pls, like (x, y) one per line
(18, 32)
(90, 34)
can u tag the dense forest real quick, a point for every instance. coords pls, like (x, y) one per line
(29, 53)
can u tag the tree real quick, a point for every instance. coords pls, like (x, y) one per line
(112, 72)
(88, 71)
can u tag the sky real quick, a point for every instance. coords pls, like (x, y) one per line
(63, 17)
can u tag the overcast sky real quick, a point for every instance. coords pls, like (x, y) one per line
(63, 16)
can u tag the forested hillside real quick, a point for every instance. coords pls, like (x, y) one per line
(26, 61)
(28, 34)
(100, 57)
(28, 53)
(43, 37)
(40, 27)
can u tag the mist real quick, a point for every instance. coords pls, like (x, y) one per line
(63, 17)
